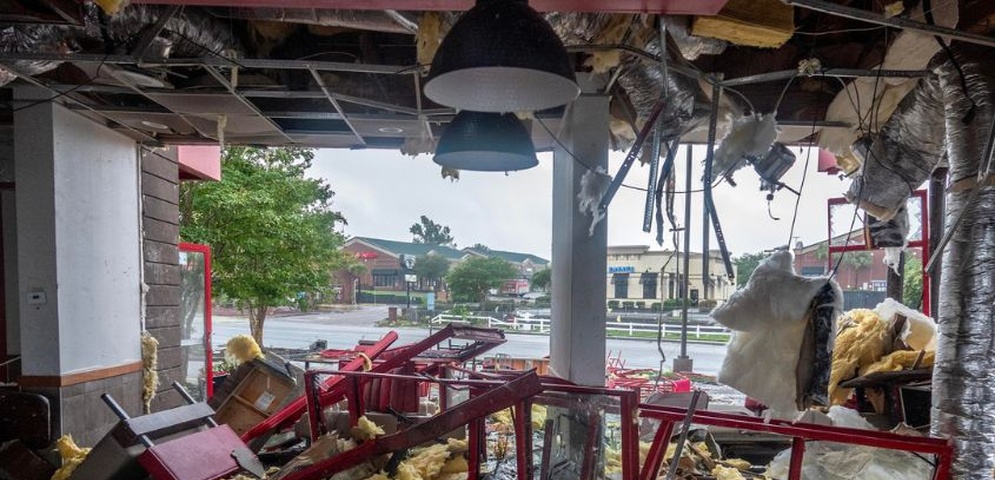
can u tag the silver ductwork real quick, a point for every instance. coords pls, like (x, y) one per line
(903, 155)
(964, 374)
(375, 20)
(686, 108)
(32, 38)
(911, 144)
(190, 33)
(691, 46)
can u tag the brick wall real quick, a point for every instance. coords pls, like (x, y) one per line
(160, 235)
(87, 429)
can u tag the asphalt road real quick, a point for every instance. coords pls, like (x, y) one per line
(343, 330)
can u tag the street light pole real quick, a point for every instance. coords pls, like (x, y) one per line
(683, 363)
(409, 293)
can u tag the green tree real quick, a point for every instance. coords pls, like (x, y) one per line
(480, 247)
(822, 252)
(912, 282)
(858, 260)
(470, 280)
(745, 265)
(431, 268)
(542, 279)
(271, 229)
(427, 231)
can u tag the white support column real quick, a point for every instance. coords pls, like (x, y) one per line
(78, 241)
(580, 260)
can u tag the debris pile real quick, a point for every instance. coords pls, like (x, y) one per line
(890, 338)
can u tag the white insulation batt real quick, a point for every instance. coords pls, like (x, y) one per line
(911, 50)
(838, 461)
(768, 318)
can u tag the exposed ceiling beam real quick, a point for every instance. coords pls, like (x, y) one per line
(231, 89)
(214, 61)
(897, 22)
(671, 7)
(72, 98)
(335, 104)
(833, 72)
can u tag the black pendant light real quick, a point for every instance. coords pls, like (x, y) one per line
(501, 56)
(486, 142)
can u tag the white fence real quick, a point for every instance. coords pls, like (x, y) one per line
(541, 325)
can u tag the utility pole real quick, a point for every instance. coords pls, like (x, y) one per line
(683, 363)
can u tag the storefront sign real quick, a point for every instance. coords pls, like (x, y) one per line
(621, 269)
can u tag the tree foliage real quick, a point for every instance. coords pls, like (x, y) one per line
(480, 247)
(470, 280)
(542, 279)
(271, 229)
(427, 231)
(912, 282)
(745, 265)
(431, 268)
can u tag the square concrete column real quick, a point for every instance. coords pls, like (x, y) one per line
(78, 264)
(580, 260)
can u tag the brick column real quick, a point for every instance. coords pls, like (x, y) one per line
(160, 235)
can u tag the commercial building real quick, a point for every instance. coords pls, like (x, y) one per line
(639, 277)
(384, 268)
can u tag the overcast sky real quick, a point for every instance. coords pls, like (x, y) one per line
(382, 193)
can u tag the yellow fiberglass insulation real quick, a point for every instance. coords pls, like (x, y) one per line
(72, 457)
(452, 476)
(504, 417)
(456, 445)
(243, 348)
(726, 473)
(900, 360)
(366, 430)
(428, 461)
(111, 7)
(613, 33)
(863, 338)
(429, 37)
(150, 376)
(407, 472)
(455, 465)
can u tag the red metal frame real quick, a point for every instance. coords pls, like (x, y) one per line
(497, 395)
(628, 407)
(334, 390)
(478, 385)
(208, 321)
(799, 432)
(922, 243)
(292, 411)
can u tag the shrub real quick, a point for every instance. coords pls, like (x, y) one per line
(675, 303)
(640, 305)
(627, 305)
(707, 304)
(613, 304)
(655, 306)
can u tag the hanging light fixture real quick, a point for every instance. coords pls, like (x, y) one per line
(501, 56)
(486, 142)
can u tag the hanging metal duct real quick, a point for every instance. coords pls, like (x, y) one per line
(190, 34)
(641, 78)
(964, 374)
(903, 155)
(900, 159)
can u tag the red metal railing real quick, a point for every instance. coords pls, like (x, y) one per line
(798, 432)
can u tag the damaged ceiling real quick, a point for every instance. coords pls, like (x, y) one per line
(349, 75)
